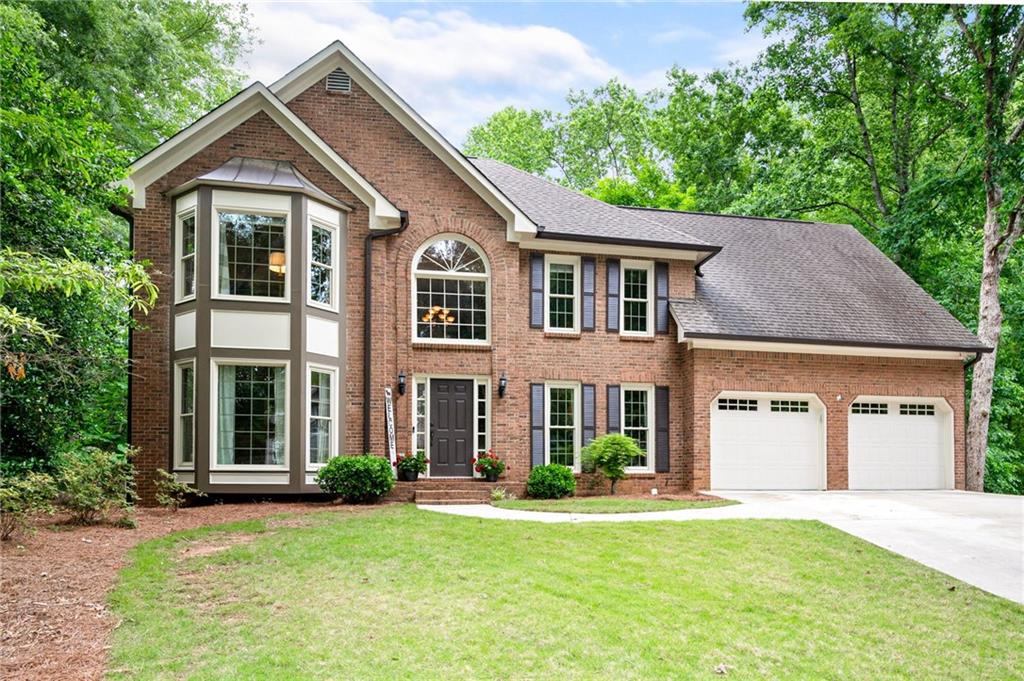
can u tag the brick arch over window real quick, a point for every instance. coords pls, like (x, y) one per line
(451, 291)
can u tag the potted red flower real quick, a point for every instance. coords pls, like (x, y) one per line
(489, 465)
(410, 466)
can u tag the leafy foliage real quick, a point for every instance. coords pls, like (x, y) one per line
(94, 483)
(610, 454)
(412, 463)
(552, 481)
(356, 479)
(21, 497)
(172, 494)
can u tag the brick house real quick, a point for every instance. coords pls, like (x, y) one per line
(317, 243)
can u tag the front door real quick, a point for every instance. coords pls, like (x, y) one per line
(451, 428)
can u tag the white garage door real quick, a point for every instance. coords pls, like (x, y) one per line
(766, 442)
(899, 444)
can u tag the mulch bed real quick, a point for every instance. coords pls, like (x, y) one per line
(54, 586)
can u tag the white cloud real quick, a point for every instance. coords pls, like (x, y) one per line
(453, 68)
(675, 35)
(741, 50)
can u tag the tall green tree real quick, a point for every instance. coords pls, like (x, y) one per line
(520, 138)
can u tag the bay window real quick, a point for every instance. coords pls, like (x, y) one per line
(322, 265)
(184, 416)
(251, 402)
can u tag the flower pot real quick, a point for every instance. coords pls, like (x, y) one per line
(408, 476)
(491, 476)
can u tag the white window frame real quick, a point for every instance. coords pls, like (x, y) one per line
(178, 463)
(249, 202)
(636, 265)
(424, 379)
(417, 274)
(577, 422)
(324, 369)
(215, 363)
(651, 430)
(574, 260)
(320, 220)
(186, 206)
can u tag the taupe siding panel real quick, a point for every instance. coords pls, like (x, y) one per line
(589, 280)
(612, 309)
(661, 429)
(536, 424)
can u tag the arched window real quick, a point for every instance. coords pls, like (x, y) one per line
(451, 283)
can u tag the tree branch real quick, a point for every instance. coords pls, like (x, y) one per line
(869, 154)
(853, 209)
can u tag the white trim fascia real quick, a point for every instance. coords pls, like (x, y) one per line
(337, 55)
(591, 248)
(252, 100)
(811, 349)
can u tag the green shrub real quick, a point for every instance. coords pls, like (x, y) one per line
(553, 481)
(357, 478)
(610, 454)
(21, 497)
(94, 482)
(172, 494)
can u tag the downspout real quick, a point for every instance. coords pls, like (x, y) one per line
(969, 363)
(368, 318)
(129, 217)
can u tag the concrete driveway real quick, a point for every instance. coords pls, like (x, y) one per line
(977, 538)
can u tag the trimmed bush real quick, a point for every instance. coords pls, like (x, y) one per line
(94, 482)
(21, 497)
(357, 479)
(553, 481)
(172, 494)
(610, 454)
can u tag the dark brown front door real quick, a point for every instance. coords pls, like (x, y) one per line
(451, 427)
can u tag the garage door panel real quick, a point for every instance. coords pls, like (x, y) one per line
(898, 450)
(764, 449)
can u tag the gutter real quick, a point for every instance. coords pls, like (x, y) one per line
(368, 318)
(977, 355)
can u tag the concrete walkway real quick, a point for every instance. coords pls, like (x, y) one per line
(977, 538)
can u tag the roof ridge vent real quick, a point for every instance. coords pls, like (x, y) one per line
(339, 81)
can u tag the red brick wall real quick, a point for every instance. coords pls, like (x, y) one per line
(827, 376)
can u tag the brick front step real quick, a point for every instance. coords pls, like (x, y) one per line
(437, 491)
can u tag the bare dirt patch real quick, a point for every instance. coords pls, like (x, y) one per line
(54, 622)
(209, 547)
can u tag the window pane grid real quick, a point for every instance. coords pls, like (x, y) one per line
(562, 426)
(561, 296)
(420, 434)
(636, 422)
(734, 404)
(452, 309)
(188, 255)
(917, 410)
(634, 300)
(320, 265)
(251, 419)
(320, 418)
(798, 406)
(248, 245)
(186, 414)
(870, 408)
(481, 418)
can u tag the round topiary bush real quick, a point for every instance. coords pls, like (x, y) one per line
(357, 479)
(553, 481)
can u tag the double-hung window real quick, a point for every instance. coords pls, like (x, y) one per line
(637, 298)
(562, 424)
(251, 253)
(184, 417)
(323, 265)
(252, 405)
(561, 299)
(638, 421)
(185, 247)
(322, 415)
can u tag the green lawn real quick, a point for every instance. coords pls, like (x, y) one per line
(607, 505)
(396, 592)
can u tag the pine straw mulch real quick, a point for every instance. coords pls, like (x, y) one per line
(54, 622)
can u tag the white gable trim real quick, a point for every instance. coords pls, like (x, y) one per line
(255, 98)
(337, 55)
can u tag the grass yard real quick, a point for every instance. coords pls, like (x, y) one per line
(609, 505)
(395, 592)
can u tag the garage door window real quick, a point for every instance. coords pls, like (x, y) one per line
(733, 404)
(796, 406)
(917, 410)
(869, 408)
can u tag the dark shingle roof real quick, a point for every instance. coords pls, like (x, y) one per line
(562, 213)
(807, 281)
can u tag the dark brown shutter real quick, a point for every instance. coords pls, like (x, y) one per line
(537, 291)
(612, 309)
(589, 277)
(661, 425)
(661, 297)
(589, 413)
(614, 420)
(536, 424)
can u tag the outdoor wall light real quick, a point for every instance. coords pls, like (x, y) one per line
(502, 384)
(401, 382)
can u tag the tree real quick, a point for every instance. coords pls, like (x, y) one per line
(610, 454)
(151, 66)
(516, 137)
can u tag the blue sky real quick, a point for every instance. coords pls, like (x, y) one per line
(457, 63)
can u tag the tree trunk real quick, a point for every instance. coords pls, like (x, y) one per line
(990, 319)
